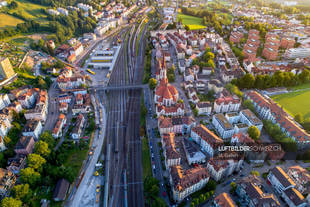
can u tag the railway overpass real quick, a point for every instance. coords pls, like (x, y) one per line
(118, 87)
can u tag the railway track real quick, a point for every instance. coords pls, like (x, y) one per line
(123, 125)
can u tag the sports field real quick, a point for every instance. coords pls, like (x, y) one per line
(192, 22)
(295, 102)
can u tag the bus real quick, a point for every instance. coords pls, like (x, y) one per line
(90, 71)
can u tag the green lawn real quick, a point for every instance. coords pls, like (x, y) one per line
(25, 9)
(295, 102)
(76, 160)
(303, 86)
(192, 22)
(146, 159)
(8, 20)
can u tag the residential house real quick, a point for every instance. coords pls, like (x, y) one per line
(223, 200)
(251, 195)
(215, 85)
(24, 146)
(280, 180)
(187, 182)
(269, 110)
(33, 128)
(4, 101)
(193, 154)
(177, 125)
(7, 181)
(78, 128)
(294, 198)
(39, 112)
(82, 104)
(2, 145)
(61, 190)
(249, 118)
(204, 108)
(301, 177)
(227, 104)
(57, 131)
(17, 163)
(222, 126)
(220, 167)
(172, 156)
(176, 110)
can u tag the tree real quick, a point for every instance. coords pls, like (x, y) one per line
(248, 104)
(28, 175)
(152, 83)
(7, 140)
(35, 161)
(13, 5)
(211, 185)
(299, 118)
(247, 81)
(233, 186)
(255, 172)
(202, 198)
(21, 191)
(158, 202)
(151, 187)
(11, 202)
(48, 138)
(41, 148)
(210, 63)
(254, 132)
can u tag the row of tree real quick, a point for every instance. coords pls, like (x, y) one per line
(278, 79)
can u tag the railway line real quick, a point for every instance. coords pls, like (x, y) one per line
(125, 184)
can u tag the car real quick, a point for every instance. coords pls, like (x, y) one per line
(96, 173)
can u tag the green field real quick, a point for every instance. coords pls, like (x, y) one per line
(26, 9)
(8, 20)
(295, 102)
(192, 22)
(146, 159)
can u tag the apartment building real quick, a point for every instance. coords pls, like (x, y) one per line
(206, 139)
(280, 180)
(172, 156)
(177, 125)
(222, 125)
(223, 200)
(268, 109)
(187, 182)
(33, 128)
(250, 193)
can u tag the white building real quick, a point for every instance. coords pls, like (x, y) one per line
(222, 126)
(63, 11)
(33, 128)
(280, 180)
(207, 140)
(294, 53)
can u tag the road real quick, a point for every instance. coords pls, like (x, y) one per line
(75, 199)
(53, 111)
